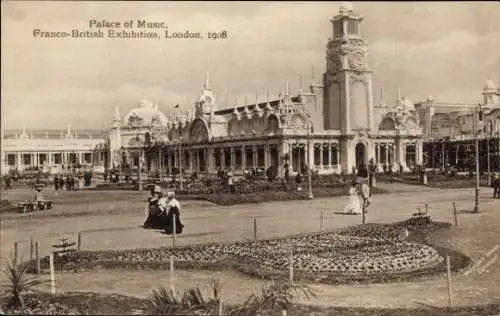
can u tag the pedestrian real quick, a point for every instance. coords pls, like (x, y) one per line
(363, 192)
(7, 183)
(230, 180)
(287, 173)
(496, 187)
(172, 208)
(353, 205)
(56, 183)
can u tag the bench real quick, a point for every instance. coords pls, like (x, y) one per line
(27, 207)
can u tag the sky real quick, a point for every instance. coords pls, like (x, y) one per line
(442, 49)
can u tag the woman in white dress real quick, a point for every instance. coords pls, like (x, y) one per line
(353, 205)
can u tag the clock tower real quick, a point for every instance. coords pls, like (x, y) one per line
(347, 80)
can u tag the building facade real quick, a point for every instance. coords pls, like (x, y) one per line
(52, 151)
(451, 129)
(332, 126)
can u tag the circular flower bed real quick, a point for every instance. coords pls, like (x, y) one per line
(358, 252)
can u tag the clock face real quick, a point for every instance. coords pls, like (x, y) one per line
(357, 60)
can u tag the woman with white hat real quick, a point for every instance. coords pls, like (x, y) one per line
(353, 205)
(153, 219)
(173, 208)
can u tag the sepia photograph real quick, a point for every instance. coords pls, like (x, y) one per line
(267, 158)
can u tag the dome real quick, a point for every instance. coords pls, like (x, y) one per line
(407, 104)
(145, 114)
(490, 85)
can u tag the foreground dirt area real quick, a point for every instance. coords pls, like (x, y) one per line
(115, 225)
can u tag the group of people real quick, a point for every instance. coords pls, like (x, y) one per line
(70, 183)
(163, 212)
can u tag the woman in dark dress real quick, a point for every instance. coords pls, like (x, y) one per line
(173, 207)
(154, 212)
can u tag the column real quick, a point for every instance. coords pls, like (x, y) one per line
(337, 151)
(266, 156)
(386, 153)
(321, 156)
(278, 152)
(197, 159)
(210, 159)
(19, 161)
(243, 158)
(329, 155)
(221, 158)
(290, 155)
(33, 159)
(233, 158)
(377, 148)
(191, 160)
(254, 155)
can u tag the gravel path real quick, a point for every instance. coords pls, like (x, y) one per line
(477, 233)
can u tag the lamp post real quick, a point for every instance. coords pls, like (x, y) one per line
(139, 163)
(180, 163)
(488, 159)
(309, 172)
(478, 121)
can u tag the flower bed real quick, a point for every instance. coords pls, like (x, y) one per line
(360, 253)
(269, 195)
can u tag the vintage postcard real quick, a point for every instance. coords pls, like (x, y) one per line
(250, 158)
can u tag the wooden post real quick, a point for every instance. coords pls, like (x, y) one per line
(16, 253)
(448, 268)
(79, 241)
(290, 264)
(364, 212)
(455, 214)
(37, 258)
(32, 249)
(254, 229)
(52, 275)
(173, 231)
(321, 222)
(427, 209)
(220, 306)
(171, 273)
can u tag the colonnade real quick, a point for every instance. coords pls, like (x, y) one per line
(22, 160)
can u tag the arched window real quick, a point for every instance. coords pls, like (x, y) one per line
(387, 124)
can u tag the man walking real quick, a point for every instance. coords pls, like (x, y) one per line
(496, 187)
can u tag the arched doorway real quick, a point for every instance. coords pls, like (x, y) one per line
(360, 154)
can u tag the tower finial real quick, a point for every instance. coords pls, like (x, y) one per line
(207, 81)
(117, 113)
(300, 81)
(399, 94)
(267, 96)
(256, 100)
(287, 89)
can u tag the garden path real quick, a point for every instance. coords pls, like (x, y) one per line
(476, 234)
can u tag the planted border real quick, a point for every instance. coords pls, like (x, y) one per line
(256, 259)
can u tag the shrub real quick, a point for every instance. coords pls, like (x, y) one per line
(275, 296)
(168, 302)
(20, 281)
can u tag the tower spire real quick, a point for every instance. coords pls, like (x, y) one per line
(207, 81)
(300, 81)
(117, 113)
(399, 94)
